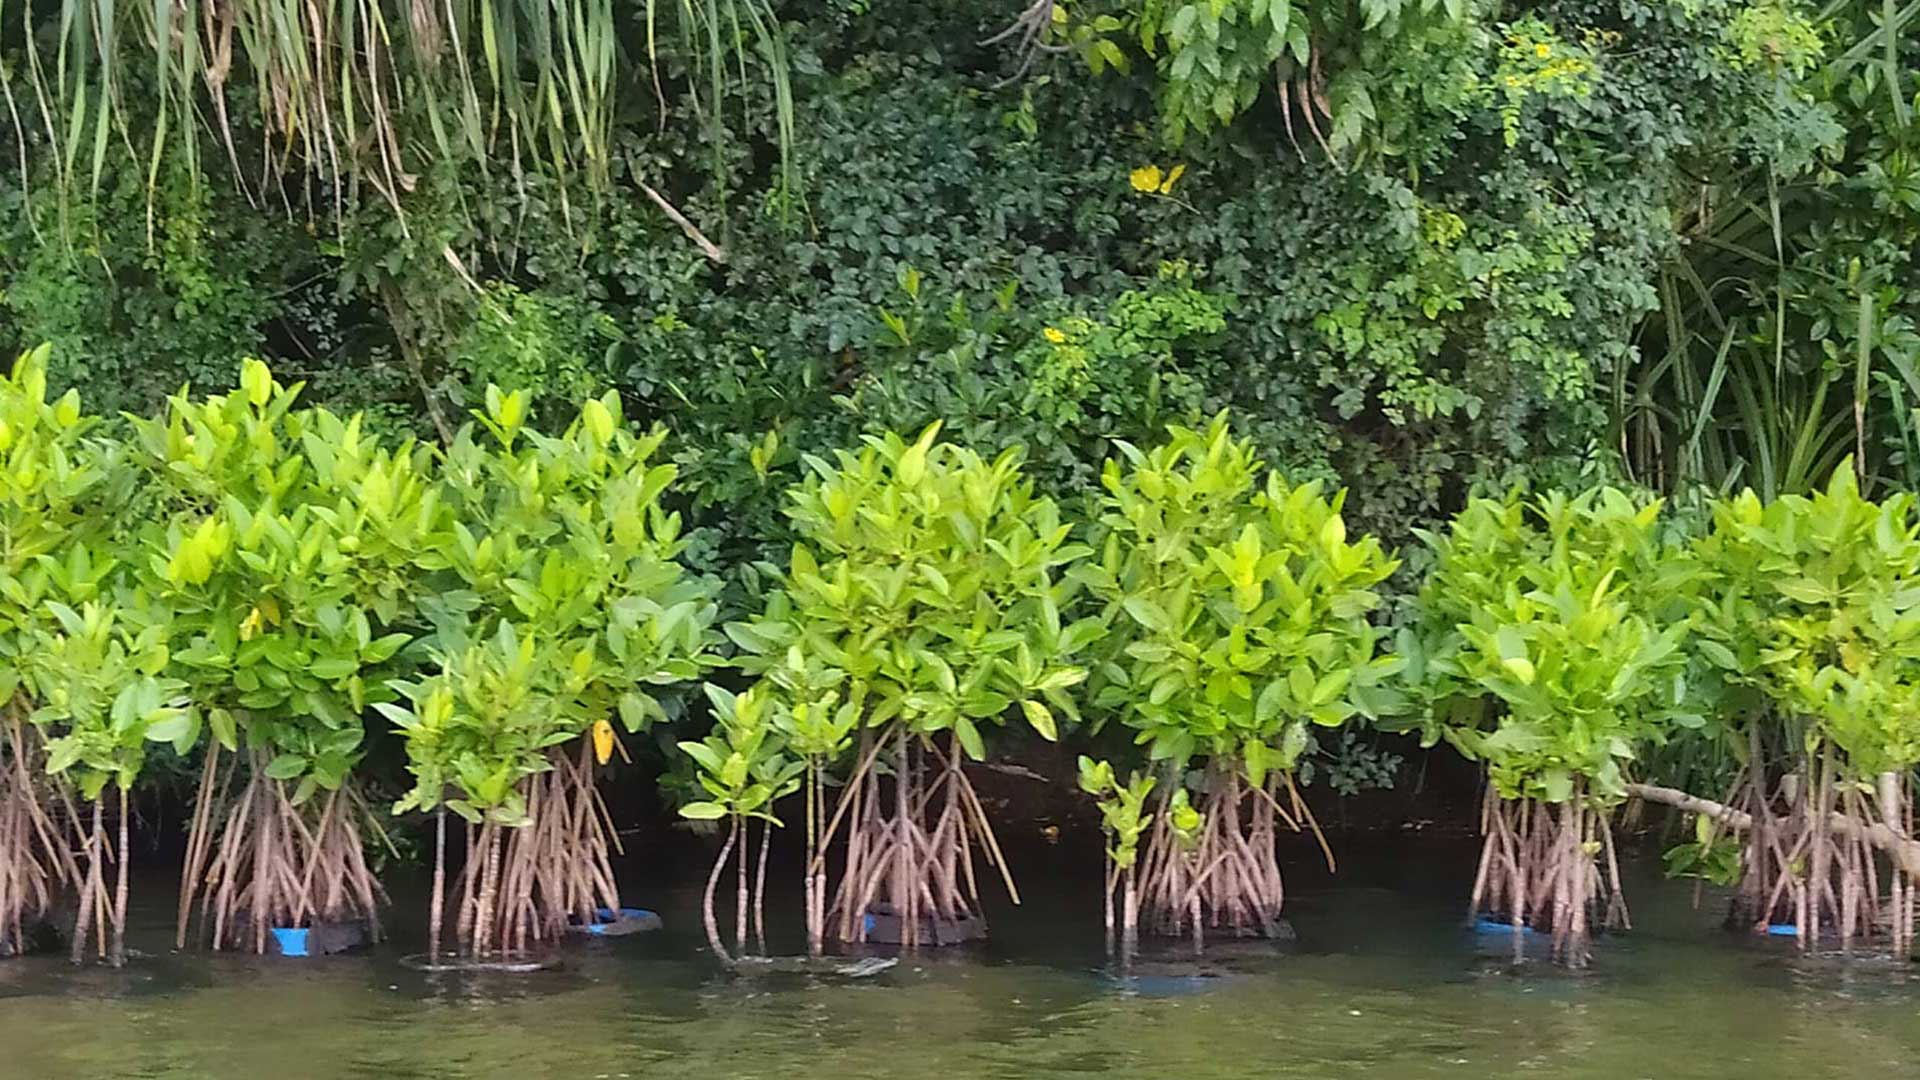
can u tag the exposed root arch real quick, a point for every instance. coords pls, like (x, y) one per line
(1552, 868)
(1227, 879)
(37, 863)
(256, 861)
(1811, 851)
(910, 843)
(522, 886)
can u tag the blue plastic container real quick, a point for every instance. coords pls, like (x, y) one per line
(1783, 930)
(292, 940)
(1485, 925)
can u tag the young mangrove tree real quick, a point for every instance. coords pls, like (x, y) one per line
(930, 579)
(1242, 617)
(1551, 647)
(561, 607)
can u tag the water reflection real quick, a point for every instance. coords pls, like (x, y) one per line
(1384, 981)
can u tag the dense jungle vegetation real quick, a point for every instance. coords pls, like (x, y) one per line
(1433, 262)
(1423, 250)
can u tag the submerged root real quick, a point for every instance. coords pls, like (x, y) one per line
(256, 861)
(749, 892)
(1821, 852)
(1800, 868)
(102, 912)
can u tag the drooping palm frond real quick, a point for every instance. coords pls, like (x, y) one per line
(1726, 393)
(369, 92)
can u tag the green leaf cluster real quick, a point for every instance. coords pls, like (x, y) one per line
(931, 579)
(1123, 808)
(103, 693)
(1242, 613)
(562, 605)
(83, 658)
(1814, 602)
(744, 765)
(1551, 640)
(55, 481)
(283, 543)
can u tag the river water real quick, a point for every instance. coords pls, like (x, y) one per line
(1383, 982)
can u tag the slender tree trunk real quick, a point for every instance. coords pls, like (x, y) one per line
(740, 888)
(1110, 874)
(1129, 919)
(483, 929)
(84, 920)
(903, 880)
(760, 889)
(713, 881)
(198, 841)
(120, 890)
(436, 907)
(816, 880)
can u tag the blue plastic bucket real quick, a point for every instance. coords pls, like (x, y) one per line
(292, 940)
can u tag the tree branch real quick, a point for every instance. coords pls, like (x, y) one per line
(707, 247)
(1904, 853)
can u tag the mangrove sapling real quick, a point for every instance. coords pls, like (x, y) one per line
(289, 557)
(562, 602)
(1241, 622)
(818, 730)
(56, 496)
(485, 741)
(929, 577)
(1811, 605)
(744, 768)
(1123, 818)
(1550, 647)
(103, 699)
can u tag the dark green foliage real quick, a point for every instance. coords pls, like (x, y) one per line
(131, 314)
(1437, 306)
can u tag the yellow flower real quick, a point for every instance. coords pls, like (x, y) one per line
(1543, 50)
(1173, 174)
(1145, 178)
(1054, 336)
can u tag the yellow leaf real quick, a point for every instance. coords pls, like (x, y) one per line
(1173, 176)
(602, 741)
(1145, 178)
(1041, 718)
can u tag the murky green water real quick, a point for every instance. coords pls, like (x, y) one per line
(1383, 983)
